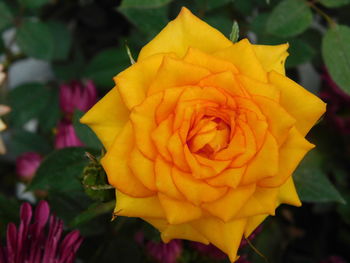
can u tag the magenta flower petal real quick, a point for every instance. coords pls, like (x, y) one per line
(66, 136)
(39, 242)
(27, 164)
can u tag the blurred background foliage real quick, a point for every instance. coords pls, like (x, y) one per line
(47, 43)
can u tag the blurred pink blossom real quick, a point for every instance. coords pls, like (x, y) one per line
(39, 241)
(27, 164)
(337, 102)
(164, 252)
(77, 95)
(334, 259)
(66, 135)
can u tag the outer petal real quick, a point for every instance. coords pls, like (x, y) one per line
(138, 207)
(272, 57)
(291, 153)
(133, 83)
(305, 107)
(178, 212)
(252, 223)
(242, 55)
(185, 31)
(225, 236)
(288, 194)
(116, 165)
(227, 207)
(114, 113)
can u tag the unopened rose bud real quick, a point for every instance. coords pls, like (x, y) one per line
(27, 165)
(77, 95)
(66, 135)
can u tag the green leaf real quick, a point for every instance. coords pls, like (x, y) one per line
(36, 40)
(210, 5)
(32, 4)
(143, 3)
(234, 35)
(312, 183)
(105, 65)
(336, 54)
(60, 170)
(85, 134)
(148, 20)
(51, 113)
(5, 16)
(344, 209)
(300, 52)
(23, 141)
(27, 101)
(62, 39)
(334, 3)
(289, 18)
(93, 211)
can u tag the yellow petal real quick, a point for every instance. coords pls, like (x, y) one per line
(185, 31)
(305, 107)
(161, 136)
(214, 64)
(176, 149)
(288, 194)
(255, 87)
(272, 57)
(133, 83)
(178, 212)
(227, 207)
(116, 165)
(229, 177)
(263, 201)
(196, 191)
(143, 169)
(264, 164)
(164, 180)
(279, 120)
(114, 113)
(176, 73)
(291, 153)
(252, 223)
(149, 207)
(144, 123)
(183, 231)
(225, 236)
(242, 55)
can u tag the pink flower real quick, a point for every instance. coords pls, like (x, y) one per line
(164, 253)
(77, 95)
(27, 164)
(66, 135)
(333, 259)
(337, 105)
(40, 241)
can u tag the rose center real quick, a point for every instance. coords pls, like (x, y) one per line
(208, 136)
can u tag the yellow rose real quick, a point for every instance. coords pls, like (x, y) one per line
(202, 134)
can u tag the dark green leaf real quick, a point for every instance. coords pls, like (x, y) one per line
(36, 40)
(23, 141)
(312, 182)
(51, 112)
(289, 18)
(62, 39)
(334, 3)
(60, 171)
(150, 20)
(344, 209)
(27, 101)
(72, 69)
(336, 54)
(144, 4)
(105, 65)
(85, 134)
(31, 4)
(220, 22)
(210, 5)
(299, 52)
(5, 16)
(92, 212)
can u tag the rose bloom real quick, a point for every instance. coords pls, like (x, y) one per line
(202, 134)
